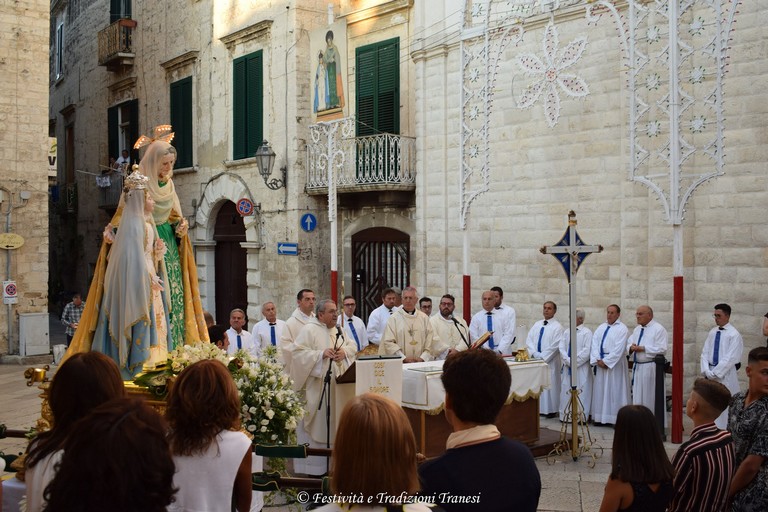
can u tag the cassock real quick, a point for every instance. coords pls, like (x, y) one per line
(543, 342)
(583, 369)
(263, 333)
(498, 321)
(308, 370)
(643, 383)
(411, 335)
(293, 327)
(718, 361)
(355, 330)
(451, 331)
(377, 321)
(611, 386)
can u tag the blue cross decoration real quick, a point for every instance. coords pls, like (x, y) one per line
(571, 250)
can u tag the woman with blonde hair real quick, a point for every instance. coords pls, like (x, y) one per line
(81, 384)
(213, 458)
(374, 458)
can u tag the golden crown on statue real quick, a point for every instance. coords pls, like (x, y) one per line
(136, 181)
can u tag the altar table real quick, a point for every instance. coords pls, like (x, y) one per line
(424, 403)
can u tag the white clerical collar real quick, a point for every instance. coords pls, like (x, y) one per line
(474, 435)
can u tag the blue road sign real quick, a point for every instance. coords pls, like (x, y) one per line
(288, 248)
(308, 222)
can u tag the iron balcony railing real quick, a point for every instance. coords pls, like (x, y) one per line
(109, 194)
(375, 162)
(115, 43)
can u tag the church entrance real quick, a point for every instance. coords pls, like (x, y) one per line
(231, 284)
(381, 257)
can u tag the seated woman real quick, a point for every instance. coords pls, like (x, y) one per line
(374, 456)
(641, 474)
(84, 382)
(213, 458)
(116, 459)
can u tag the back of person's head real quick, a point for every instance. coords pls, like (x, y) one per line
(478, 384)
(715, 396)
(375, 450)
(117, 459)
(216, 333)
(202, 402)
(757, 354)
(82, 383)
(638, 450)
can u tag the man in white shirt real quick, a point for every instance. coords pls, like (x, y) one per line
(425, 306)
(609, 357)
(543, 342)
(239, 338)
(268, 331)
(648, 340)
(721, 353)
(377, 320)
(581, 362)
(123, 162)
(491, 319)
(409, 333)
(451, 330)
(304, 312)
(504, 309)
(353, 325)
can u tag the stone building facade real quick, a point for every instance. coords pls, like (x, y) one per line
(398, 166)
(23, 165)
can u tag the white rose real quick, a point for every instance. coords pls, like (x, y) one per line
(263, 429)
(251, 428)
(270, 414)
(264, 422)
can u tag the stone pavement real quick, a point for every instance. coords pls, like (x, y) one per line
(567, 486)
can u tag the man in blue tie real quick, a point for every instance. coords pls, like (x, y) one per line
(353, 325)
(489, 319)
(610, 391)
(648, 340)
(267, 332)
(543, 342)
(722, 352)
(239, 338)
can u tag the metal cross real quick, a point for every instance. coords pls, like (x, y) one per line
(571, 251)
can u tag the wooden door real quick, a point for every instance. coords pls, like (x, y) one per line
(231, 284)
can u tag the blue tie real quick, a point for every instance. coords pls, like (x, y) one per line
(634, 355)
(354, 334)
(239, 342)
(490, 328)
(602, 352)
(541, 333)
(272, 337)
(716, 351)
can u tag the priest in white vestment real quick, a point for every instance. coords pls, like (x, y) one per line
(451, 330)
(409, 333)
(648, 340)
(543, 342)
(581, 361)
(319, 345)
(304, 312)
(609, 357)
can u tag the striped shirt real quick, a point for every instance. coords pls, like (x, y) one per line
(72, 315)
(704, 467)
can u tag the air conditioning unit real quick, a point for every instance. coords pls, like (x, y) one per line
(34, 339)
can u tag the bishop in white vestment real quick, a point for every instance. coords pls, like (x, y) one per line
(409, 333)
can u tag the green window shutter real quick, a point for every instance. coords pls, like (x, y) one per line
(239, 134)
(181, 120)
(255, 108)
(112, 132)
(247, 105)
(378, 87)
(119, 9)
(133, 129)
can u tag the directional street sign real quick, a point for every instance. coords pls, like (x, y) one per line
(288, 248)
(308, 222)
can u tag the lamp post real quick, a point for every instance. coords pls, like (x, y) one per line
(265, 159)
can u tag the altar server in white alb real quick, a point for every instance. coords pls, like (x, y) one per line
(504, 309)
(543, 342)
(377, 320)
(491, 319)
(319, 345)
(409, 333)
(648, 340)
(720, 355)
(583, 369)
(304, 312)
(353, 325)
(609, 357)
(268, 331)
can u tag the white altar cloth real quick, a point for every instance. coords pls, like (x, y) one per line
(423, 389)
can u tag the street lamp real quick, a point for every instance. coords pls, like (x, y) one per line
(265, 159)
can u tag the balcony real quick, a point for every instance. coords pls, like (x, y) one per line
(376, 169)
(116, 46)
(109, 191)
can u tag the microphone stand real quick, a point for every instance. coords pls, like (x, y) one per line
(327, 395)
(456, 323)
